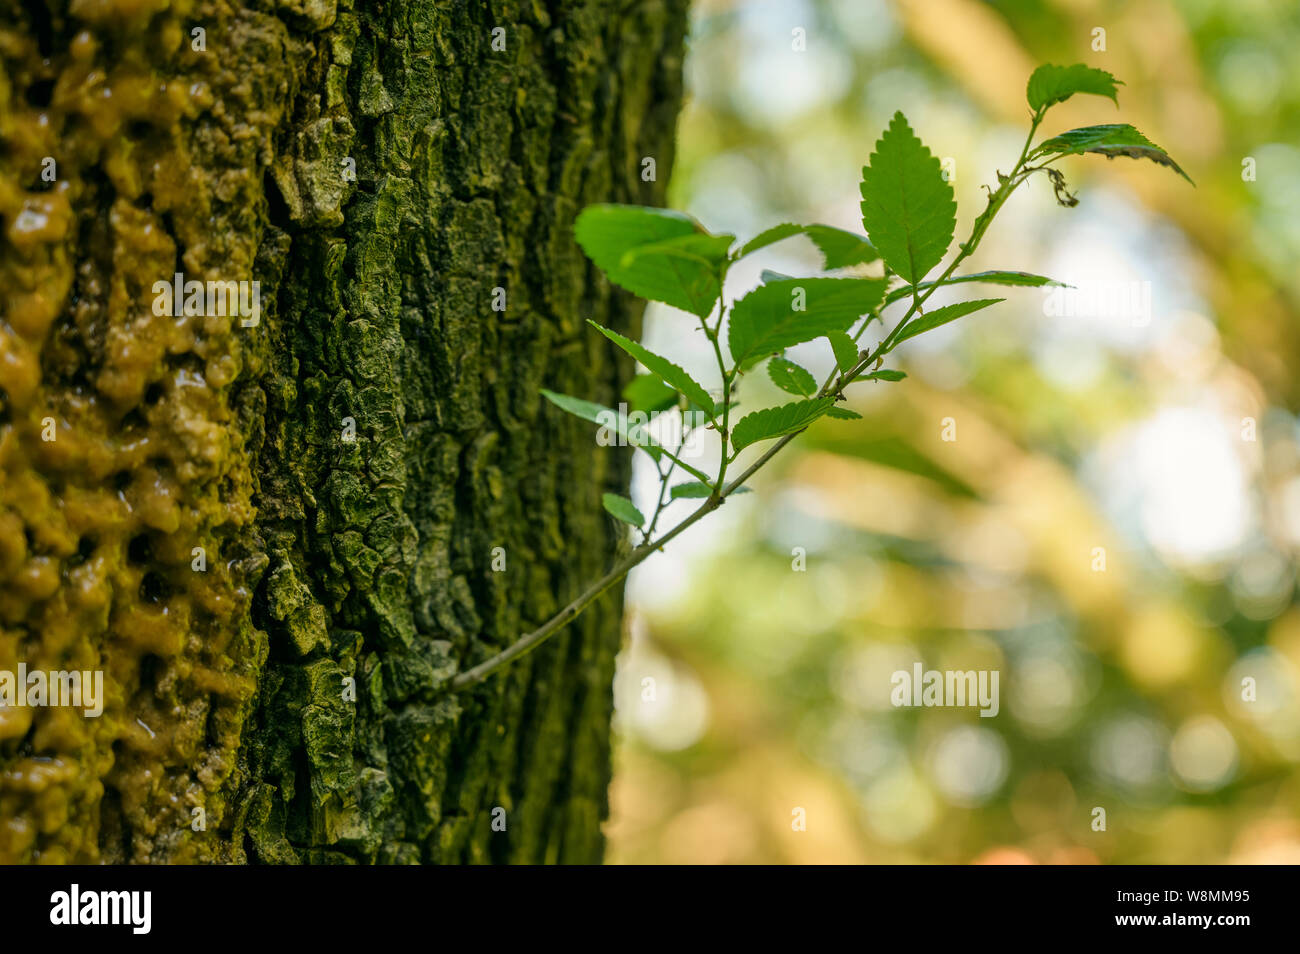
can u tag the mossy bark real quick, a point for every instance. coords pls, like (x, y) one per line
(279, 542)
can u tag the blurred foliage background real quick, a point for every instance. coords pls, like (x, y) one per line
(1166, 436)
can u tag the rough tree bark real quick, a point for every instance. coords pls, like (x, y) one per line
(182, 505)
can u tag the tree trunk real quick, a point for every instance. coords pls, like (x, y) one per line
(279, 540)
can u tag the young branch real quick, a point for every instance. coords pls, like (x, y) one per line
(834, 385)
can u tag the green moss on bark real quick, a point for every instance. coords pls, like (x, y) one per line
(303, 701)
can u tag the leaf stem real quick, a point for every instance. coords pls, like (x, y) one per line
(833, 386)
(664, 478)
(524, 644)
(1006, 186)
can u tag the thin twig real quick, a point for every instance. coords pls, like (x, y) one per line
(834, 385)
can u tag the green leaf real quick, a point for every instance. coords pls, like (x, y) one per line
(1055, 84)
(1109, 140)
(632, 433)
(843, 413)
(839, 248)
(680, 273)
(587, 410)
(791, 378)
(770, 276)
(770, 236)
(846, 352)
(696, 489)
(777, 421)
(908, 207)
(699, 489)
(992, 278)
(766, 320)
(707, 250)
(941, 316)
(648, 393)
(622, 508)
(693, 471)
(657, 364)
(885, 374)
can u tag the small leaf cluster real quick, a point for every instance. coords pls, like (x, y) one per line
(909, 217)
